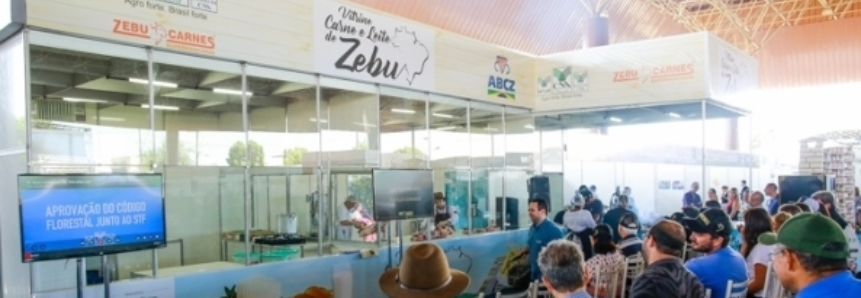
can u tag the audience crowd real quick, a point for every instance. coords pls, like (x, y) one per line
(740, 243)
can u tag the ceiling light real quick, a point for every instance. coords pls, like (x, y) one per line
(614, 119)
(157, 83)
(112, 119)
(443, 115)
(158, 107)
(529, 126)
(403, 111)
(72, 99)
(321, 121)
(447, 128)
(674, 115)
(231, 92)
(490, 129)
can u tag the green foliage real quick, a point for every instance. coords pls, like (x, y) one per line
(294, 156)
(361, 186)
(410, 150)
(361, 146)
(236, 156)
(230, 292)
(21, 130)
(159, 156)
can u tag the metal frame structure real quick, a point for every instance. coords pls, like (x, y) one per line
(536, 29)
(749, 24)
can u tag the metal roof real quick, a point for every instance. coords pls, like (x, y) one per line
(551, 26)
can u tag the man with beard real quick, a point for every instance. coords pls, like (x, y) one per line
(710, 234)
(666, 277)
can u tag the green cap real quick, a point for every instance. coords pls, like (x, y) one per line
(811, 233)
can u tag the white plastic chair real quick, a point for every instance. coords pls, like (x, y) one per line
(736, 289)
(634, 266)
(536, 290)
(772, 287)
(612, 280)
(521, 294)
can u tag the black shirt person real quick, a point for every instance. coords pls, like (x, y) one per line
(666, 276)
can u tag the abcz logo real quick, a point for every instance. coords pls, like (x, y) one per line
(499, 86)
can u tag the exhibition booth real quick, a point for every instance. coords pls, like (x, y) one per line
(262, 118)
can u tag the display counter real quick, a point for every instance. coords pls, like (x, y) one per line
(184, 270)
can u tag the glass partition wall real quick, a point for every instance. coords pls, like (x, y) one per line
(250, 152)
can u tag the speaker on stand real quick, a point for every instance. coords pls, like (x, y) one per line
(539, 187)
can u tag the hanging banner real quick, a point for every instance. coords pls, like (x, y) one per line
(357, 44)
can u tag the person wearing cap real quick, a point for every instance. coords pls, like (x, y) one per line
(666, 276)
(613, 216)
(564, 270)
(593, 204)
(578, 219)
(630, 244)
(810, 257)
(710, 234)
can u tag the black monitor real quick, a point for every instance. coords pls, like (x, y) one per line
(402, 194)
(794, 187)
(82, 215)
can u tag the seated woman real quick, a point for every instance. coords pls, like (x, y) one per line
(607, 259)
(756, 222)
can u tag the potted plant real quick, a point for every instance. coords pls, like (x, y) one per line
(230, 292)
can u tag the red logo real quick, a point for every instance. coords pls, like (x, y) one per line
(172, 38)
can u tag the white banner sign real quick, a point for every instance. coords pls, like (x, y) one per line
(354, 43)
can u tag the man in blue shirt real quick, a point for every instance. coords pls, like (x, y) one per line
(811, 257)
(773, 198)
(691, 198)
(710, 234)
(542, 232)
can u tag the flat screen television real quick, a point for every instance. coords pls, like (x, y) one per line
(82, 215)
(402, 194)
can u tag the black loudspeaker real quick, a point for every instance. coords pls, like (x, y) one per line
(794, 187)
(511, 219)
(539, 187)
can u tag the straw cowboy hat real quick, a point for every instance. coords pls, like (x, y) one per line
(424, 272)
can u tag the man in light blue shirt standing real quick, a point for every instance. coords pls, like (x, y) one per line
(711, 231)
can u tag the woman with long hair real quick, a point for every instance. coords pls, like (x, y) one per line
(607, 258)
(828, 208)
(757, 221)
(733, 207)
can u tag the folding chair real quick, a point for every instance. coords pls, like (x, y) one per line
(772, 287)
(736, 289)
(634, 266)
(612, 281)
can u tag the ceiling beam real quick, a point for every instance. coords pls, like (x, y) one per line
(216, 77)
(290, 87)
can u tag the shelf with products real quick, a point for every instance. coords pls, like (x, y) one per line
(839, 162)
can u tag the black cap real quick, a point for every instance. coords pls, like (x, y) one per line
(712, 221)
